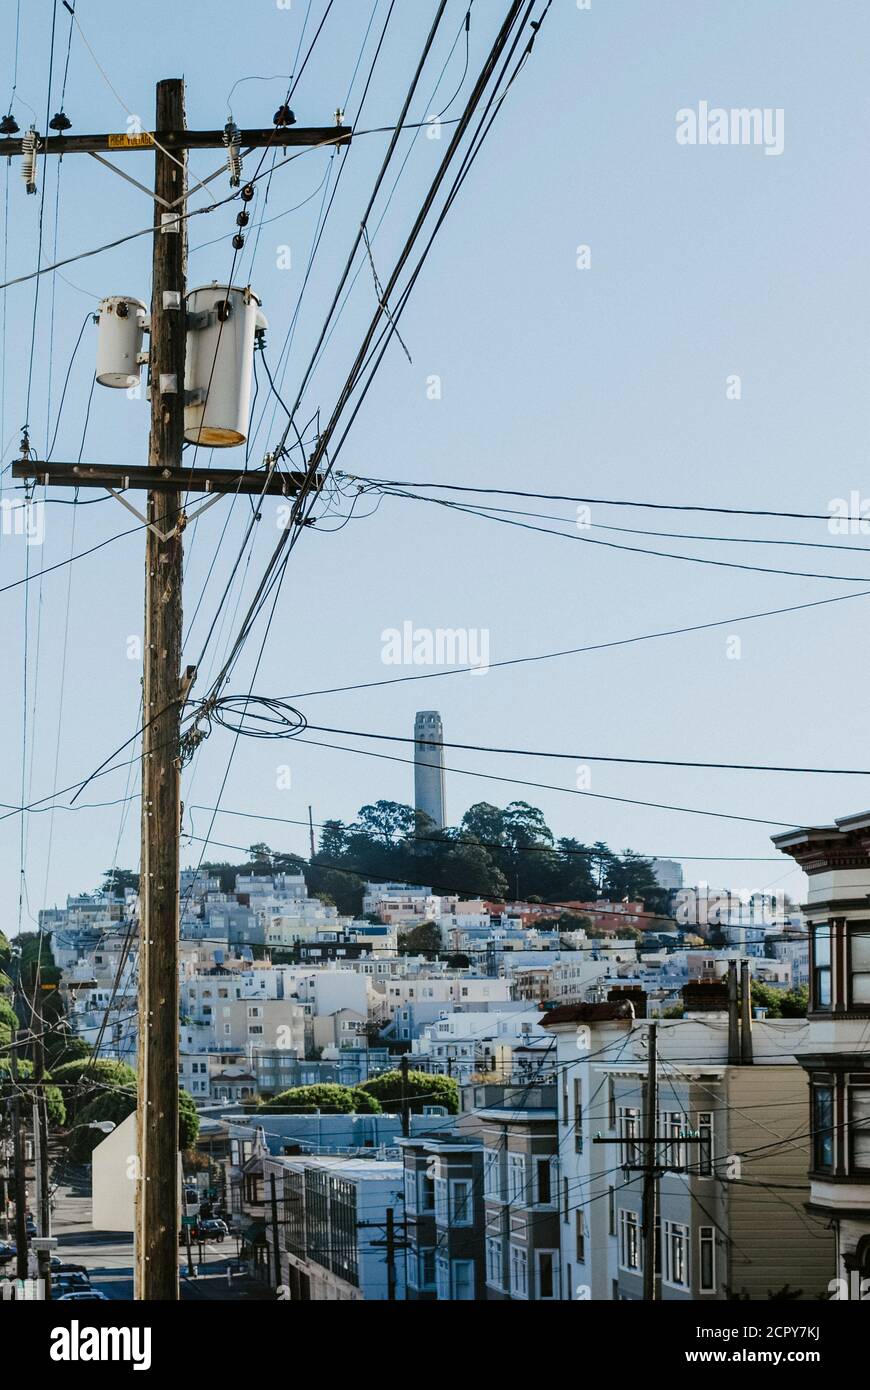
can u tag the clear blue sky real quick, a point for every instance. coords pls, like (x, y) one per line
(611, 381)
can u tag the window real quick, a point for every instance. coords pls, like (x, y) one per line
(493, 1261)
(674, 1127)
(580, 1230)
(611, 1103)
(517, 1177)
(707, 1256)
(705, 1148)
(462, 1280)
(578, 1115)
(859, 1126)
(859, 965)
(548, 1274)
(629, 1120)
(410, 1190)
(821, 967)
(823, 1126)
(565, 1199)
(565, 1097)
(440, 1185)
(442, 1278)
(426, 1269)
(676, 1254)
(460, 1202)
(544, 1182)
(491, 1174)
(519, 1264)
(629, 1240)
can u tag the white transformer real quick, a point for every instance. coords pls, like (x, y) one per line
(121, 326)
(222, 323)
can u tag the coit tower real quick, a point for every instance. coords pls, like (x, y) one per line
(429, 766)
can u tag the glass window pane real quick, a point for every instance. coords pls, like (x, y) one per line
(859, 1121)
(822, 945)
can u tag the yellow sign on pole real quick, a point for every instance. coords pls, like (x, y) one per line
(131, 142)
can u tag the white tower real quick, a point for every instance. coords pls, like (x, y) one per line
(429, 766)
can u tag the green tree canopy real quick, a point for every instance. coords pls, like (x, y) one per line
(116, 1105)
(422, 940)
(328, 1097)
(420, 1090)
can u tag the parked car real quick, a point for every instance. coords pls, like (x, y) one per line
(82, 1296)
(59, 1266)
(72, 1283)
(7, 1253)
(30, 1225)
(212, 1230)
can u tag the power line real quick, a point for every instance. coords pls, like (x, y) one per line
(598, 757)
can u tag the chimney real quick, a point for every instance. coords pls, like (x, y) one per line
(635, 994)
(733, 1017)
(705, 997)
(745, 1014)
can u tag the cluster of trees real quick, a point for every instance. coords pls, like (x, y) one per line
(384, 1093)
(500, 853)
(82, 1088)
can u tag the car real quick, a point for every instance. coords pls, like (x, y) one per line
(82, 1296)
(72, 1282)
(212, 1230)
(7, 1253)
(59, 1266)
(30, 1225)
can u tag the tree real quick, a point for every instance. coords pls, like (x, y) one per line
(333, 839)
(422, 940)
(458, 961)
(327, 1097)
(8, 1021)
(63, 1046)
(385, 821)
(87, 1077)
(780, 1003)
(419, 1090)
(116, 1105)
(116, 880)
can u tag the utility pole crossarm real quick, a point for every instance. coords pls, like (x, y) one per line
(257, 482)
(275, 137)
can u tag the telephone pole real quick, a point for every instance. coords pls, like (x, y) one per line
(164, 689)
(18, 1172)
(651, 1176)
(157, 1110)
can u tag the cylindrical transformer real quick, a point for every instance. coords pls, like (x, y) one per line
(222, 322)
(119, 340)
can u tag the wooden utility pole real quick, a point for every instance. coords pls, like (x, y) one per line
(651, 1172)
(157, 1109)
(163, 688)
(18, 1172)
(653, 1146)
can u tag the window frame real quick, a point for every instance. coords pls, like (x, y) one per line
(518, 1261)
(707, 1242)
(629, 1240)
(823, 1084)
(818, 931)
(673, 1232)
(851, 937)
